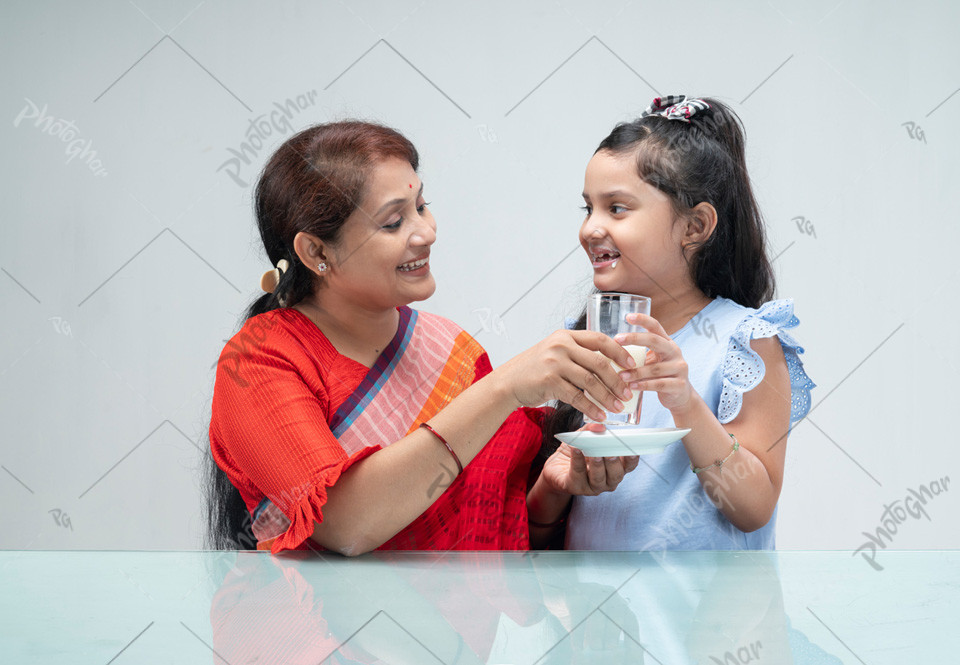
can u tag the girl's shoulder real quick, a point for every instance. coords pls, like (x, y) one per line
(742, 367)
(773, 317)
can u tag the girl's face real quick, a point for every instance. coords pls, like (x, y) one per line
(629, 232)
(382, 258)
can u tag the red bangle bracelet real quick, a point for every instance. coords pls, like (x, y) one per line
(447, 445)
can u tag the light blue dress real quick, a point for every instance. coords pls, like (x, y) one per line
(661, 504)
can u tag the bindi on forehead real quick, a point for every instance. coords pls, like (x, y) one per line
(410, 185)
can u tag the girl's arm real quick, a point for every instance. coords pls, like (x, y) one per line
(567, 472)
(747, 486)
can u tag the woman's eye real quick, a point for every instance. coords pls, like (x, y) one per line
(422, 207)
(394, 226)
(616, 210)
(587, 210)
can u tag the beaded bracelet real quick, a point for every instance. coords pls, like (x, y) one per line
(719, 462)
(444, 442)
(547, 525)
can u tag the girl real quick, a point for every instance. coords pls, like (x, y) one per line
(670, 214)
(346, 420)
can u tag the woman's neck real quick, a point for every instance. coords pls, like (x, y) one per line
(355, 332)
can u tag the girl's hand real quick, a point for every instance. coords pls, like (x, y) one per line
(665, 371)
(568, 471)
(564, 366)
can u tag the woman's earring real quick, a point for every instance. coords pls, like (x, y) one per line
(322, 267)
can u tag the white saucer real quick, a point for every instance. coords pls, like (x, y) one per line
(617, 441)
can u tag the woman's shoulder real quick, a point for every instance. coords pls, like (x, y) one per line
(442, 327)
(283, 332)
(434, 321)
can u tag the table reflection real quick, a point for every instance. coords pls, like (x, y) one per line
(473, 607)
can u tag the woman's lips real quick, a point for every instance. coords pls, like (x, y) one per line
(416, 267)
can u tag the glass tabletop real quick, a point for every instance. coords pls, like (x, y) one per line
(479, 607)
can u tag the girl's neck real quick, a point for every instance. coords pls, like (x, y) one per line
(355, 332)
(675, 309)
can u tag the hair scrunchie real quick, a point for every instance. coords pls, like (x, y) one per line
(270, 279)
(675, 107)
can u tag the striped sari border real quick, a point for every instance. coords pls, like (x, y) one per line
(378, 375)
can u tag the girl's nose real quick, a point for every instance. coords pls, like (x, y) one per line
(592, 228)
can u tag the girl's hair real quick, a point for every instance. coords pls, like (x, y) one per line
(703, 160)
(312, 183)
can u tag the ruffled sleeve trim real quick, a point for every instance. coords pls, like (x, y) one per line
(308, 508)
(743, 369)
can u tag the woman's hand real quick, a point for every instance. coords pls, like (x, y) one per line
(566, 365)
(569, 471)
(665, 371)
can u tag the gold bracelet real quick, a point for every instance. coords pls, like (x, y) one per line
(719, 462)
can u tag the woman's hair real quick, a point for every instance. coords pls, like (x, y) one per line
(692, 162)
(312, 183)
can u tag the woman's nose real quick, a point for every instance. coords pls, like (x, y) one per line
(425, 233)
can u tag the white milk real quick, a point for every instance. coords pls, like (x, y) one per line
(631, 406)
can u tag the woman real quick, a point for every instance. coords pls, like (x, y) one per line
(343, 419)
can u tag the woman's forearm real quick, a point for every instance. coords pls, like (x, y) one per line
(379, 496)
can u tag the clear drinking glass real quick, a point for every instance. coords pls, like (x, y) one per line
(606, 313)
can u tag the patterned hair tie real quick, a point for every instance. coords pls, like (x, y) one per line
(675, 107)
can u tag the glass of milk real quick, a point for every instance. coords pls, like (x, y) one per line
(607, 313)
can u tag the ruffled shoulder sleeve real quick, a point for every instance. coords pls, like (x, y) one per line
(743, 369)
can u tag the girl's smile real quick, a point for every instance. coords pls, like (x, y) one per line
(629, 233)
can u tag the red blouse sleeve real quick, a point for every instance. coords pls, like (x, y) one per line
(269, 432)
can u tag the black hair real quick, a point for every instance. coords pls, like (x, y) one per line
(703, 160)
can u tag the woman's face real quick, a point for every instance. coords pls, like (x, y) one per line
(629, 233)
(382, 258)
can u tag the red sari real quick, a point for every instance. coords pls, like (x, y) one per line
(290, 415)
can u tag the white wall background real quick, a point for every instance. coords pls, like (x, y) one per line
(121, 279)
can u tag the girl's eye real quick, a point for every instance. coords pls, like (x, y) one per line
(616, 210)
(587, 210)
